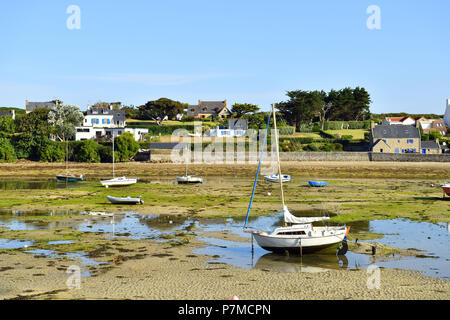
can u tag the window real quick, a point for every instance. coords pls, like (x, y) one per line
(92, 121)
(109, 121)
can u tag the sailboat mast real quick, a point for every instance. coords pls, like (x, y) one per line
(278, 153)
(113, 153)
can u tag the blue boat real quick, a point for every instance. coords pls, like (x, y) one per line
(317, 183)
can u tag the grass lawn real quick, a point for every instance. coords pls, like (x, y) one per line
(358, 134)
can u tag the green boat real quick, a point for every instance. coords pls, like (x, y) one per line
(69, 178)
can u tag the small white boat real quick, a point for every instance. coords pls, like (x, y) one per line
(100, 213)
(121, 181)
(300, 236)
(116, 182)
(127, 200)
(189, 179)
(276, 178)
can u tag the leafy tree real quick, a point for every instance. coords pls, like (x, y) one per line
(349, 104)
(64, 118)
(244, 108)
(7, 124)
(161, 109)
(434, 134)
(35, 122)
(125, 147)
(7, 153)
(130, 112)
(88, 152)
(301, 107)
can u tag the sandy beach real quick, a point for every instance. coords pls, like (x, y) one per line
(159, 272)
(148, 269)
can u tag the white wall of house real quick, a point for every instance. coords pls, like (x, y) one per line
(102, 121)
(85, 133)
(217, 132)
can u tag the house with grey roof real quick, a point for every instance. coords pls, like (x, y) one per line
(431, 147)
(209, 109)
(105, 122)
(11, 113)
(395, 139)
(31, 106)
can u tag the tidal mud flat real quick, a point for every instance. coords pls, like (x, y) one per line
(185, 241)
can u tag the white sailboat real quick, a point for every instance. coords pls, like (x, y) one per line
(120, 181)
(298, 233)
(187, 179)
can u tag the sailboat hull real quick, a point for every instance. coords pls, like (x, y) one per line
(117, 182)
(318, 239)
(189, 180)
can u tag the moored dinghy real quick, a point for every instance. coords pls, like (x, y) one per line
(127, 200)
(317, 183)
(69, 178)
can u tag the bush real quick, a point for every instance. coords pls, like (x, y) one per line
(105, 152)
(288, 131)
(7, 153)
(88, 152)
(24, 145)
(7, 124)
(347, 137)
(155, 130)
(126, 147)
(47, 150)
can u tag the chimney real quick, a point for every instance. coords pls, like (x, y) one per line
(372, 124)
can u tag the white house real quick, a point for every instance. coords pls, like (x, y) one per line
(406, 121)
(102, 122)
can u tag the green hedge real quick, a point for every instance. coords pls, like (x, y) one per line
(288, 131)
(338, 125)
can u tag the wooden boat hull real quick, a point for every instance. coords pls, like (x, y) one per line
(317, 183)
(127, 200)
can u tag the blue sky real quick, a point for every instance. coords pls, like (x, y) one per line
(243, 51)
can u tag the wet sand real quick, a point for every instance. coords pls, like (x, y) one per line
(162, 272)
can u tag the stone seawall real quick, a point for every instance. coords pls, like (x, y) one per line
(307, 156)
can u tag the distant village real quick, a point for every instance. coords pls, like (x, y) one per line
(393, 134)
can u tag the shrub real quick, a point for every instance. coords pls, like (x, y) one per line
(288, 131)
(347, 137)
(88, 152)
(47, 150)
(7, 153)
(7, 124)
(24, 145)
(126, 147)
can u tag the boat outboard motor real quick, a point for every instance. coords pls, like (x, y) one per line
(343, 248)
